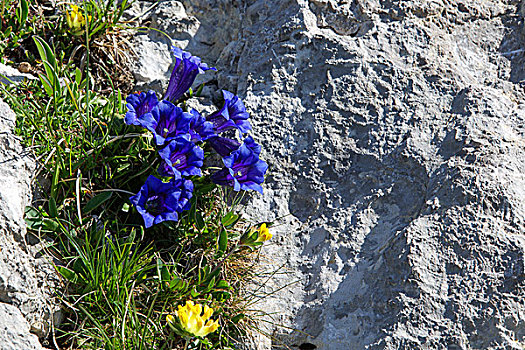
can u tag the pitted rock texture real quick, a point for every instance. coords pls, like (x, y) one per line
(395, 135)
(14, 330)
(26, 275)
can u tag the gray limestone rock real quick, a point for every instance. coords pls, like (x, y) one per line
(395, 135)
(14, 330)
(27, 278)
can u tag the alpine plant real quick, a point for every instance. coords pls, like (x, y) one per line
(181, 136)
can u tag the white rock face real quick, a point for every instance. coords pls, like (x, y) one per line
(14, 330)
(395, 135)
(26, 277)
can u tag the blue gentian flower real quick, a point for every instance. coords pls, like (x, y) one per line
(243, 169)
(168, 121)
(139, 106)
(250, 143)
(159, 201)
(223, 145)
(184, 73)
(181, 157)
(233, 114)
(200, 129)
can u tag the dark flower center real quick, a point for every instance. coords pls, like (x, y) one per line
(155, 204)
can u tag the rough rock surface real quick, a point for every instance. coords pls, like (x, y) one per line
(14, 330)
(25, 275)
(395, 134)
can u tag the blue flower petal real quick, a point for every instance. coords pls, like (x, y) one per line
(242, 168)
(200, 128)
(167, 122)
(181, 157)
(184, 73)
(223, 145)
(159, 201)
(139, 105)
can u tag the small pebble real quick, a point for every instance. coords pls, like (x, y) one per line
(24, 67)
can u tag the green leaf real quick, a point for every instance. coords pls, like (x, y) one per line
(97, 201)
(223, 284)
(53, 78)
(46, 55)
(199, 220)
(214, 274)
(176, 283)
(123, 6)
(165, 274)
(194, 293)
(201, 274)
(22, 12)
(68, 274)
(132, 236)
(199, 90)
(32, 213)
(78, 76)
(205, 189)
(223, 296)
(54, 182)
(97, 29)
(53, 212)
(211, 284)
(33, 218)
(24, 9)
(47, 84)
(50, 224)
(230, 219)
(33, 224)
(223, 242)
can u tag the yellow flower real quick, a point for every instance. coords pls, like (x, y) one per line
(264, 234)
(192, 321)
(170, 319)
(76, 20)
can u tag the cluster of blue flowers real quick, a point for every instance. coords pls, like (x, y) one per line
(179, 133)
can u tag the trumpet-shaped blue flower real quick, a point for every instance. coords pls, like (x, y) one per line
(200, 129)
(181, 157)
(243, 169)
(233, 114)
(159, 201)
(167, 121)
(184, 73)
(140, 106)
(223, 145)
